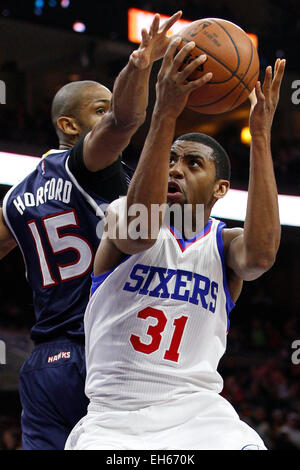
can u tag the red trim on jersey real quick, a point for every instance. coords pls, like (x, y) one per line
(54, 283)
(71, 248)
(184, 244)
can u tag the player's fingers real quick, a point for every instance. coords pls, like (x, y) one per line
(190, 68)
(252, 98)
(170, 21)
(169, 55)
(259, 93)
(145, 38)
(154, 25)
(278, 76)
(182, 55)
(194, 84)
(267, 82)
(276, 65)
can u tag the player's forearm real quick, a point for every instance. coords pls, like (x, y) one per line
(262, 225)
(130, 96)
(127, 113)
(149, 185)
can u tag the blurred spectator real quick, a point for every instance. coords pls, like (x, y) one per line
(11, 439)
(291, 429)
(262, 425)
(258, 339)
(10, 433)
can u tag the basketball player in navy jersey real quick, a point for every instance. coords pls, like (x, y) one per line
(153, 348)
(53, 216)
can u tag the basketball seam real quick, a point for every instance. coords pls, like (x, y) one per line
(233, 73)
(217, 101)
(249, 78)
(224, 29)
(233, 43)
(217, 60)
(240, 81)
(242, 91)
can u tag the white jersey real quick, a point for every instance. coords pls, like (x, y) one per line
(156, 326)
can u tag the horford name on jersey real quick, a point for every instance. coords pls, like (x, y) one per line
(54, 189)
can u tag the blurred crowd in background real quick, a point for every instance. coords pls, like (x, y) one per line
(25, 129)
(260, 379)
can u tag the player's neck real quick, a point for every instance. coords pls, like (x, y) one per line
(188, 229)
(67, 143)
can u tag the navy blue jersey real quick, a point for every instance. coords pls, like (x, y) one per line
(57, 224)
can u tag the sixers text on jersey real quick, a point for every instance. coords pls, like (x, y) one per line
(199, 286)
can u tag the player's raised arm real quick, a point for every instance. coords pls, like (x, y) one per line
(103, 145)
(149, 185)
(7, 241)
(253, 252)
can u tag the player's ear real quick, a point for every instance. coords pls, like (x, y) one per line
(221, 188)
(68, 125)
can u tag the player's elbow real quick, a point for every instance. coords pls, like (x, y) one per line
(266, 256)
(256, 267)
(264, 263)
(261, 257)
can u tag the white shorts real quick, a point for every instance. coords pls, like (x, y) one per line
(201, 421)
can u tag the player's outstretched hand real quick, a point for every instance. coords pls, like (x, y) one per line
(252, 99)
(265, 100)
(173, 85)
(154, 43)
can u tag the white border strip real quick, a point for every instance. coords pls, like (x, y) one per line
(14, 167)
(233, 206)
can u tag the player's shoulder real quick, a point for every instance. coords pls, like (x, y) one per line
(52, 160)
(53, 152)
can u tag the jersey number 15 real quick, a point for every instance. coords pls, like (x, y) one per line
(60, 243)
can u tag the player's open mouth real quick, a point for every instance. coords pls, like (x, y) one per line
(174, 189)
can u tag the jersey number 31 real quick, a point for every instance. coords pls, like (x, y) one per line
(155, 332)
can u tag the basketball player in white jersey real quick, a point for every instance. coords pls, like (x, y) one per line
(157, 320)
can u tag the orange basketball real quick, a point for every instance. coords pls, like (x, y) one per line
(231, 57)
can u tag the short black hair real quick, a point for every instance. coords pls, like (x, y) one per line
(222, 162)
(67, 100)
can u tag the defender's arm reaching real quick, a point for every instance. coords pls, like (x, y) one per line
(103, 145)
(150, 181)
